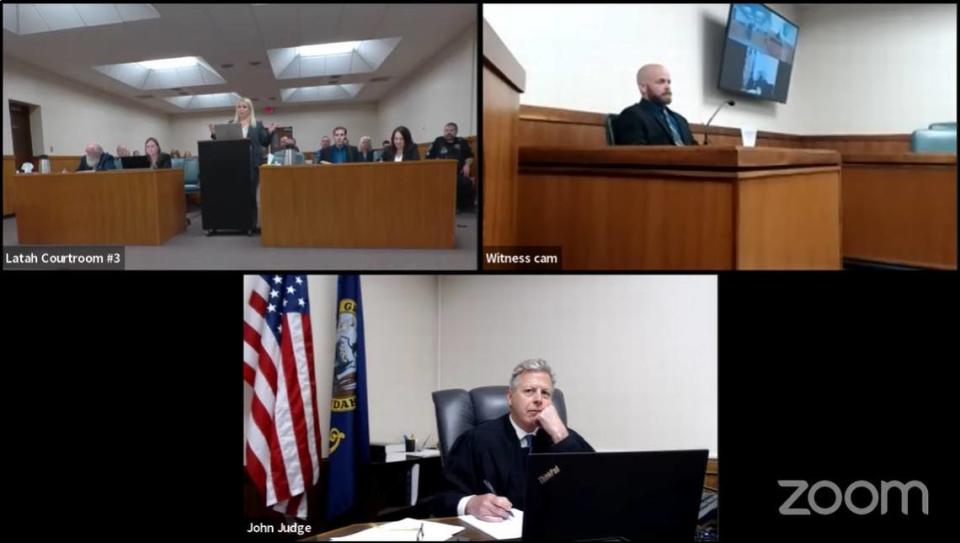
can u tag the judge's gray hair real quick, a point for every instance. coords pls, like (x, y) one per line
(532, 364)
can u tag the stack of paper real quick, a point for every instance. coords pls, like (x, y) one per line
(511, 528)
(425, 453)
(404, 530)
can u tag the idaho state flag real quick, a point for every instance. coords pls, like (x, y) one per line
(349, 434)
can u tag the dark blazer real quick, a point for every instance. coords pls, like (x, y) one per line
(410, 153)
(352, 152)
(369, 157)
(164, 161)
(106, 163)
(492, 451)
(642, 124)
(261, 140)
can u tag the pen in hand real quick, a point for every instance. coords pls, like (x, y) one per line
(487, 484)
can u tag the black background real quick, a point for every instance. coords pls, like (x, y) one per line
(122, 393)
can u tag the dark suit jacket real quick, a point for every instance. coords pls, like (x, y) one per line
(164, 161)
(410, 153)
(369, 157)
(352, 154)
(261, 140)
(491, 451)
(642, 124)
(106, 163)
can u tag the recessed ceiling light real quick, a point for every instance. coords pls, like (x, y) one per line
(321, 49)
(326, 59)
(169, 63)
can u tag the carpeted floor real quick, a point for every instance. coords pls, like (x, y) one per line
(194, 251)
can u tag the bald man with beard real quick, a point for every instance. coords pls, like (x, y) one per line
(651, 122)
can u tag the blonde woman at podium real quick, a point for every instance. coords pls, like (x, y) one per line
(254, 131)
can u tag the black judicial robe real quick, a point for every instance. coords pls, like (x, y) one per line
(492, 451)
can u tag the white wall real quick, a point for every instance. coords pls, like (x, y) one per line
(74, 115)
(400, 321)
(635, 356)
(309, 124)
(859, 68)
(442, 90)
(875, 68)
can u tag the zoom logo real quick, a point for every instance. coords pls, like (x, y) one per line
(821, 504)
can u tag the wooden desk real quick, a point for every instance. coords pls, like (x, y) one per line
(469, 533)
(503, 81)
(663, 207)
(362, 205)
(9, 170)
(124, 207)
(901, 208)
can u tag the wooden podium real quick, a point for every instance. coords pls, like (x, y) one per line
(116, 207)
(681, 208)
(359, 205)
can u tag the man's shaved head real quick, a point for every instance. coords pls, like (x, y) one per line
(653, 80)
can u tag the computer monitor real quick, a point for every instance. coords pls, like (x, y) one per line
(758, 52)
(228, 131)
(134, 162)
(634, 496)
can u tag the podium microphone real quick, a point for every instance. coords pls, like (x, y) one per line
(706, 133)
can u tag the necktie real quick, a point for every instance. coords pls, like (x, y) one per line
(528, 439)
(674, 131)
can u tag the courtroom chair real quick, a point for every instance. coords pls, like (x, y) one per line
(934, 141)
(611, 119)
(944, 126)
(459, 410)
(191, 174)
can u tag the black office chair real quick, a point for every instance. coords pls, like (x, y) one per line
(611, 119)
(459, 411)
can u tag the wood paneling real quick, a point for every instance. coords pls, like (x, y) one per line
(656, 156)
(63, 163)
(544, 126)
(503, 81)
(363, 205)
(549, 126)
(712, 479)
(681, 208)
(641, 222)
(132, 207)
(9, 169)
(789, 222)
(901, 209)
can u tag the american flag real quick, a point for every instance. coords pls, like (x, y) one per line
(283, 429)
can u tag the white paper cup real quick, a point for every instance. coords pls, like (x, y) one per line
(748, 136)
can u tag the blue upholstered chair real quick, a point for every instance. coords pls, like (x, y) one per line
(944, 126)
(939, 138)
(191, 174)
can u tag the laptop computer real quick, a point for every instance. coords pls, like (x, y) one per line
(228, 131)
(133, 162)
(621, 496)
